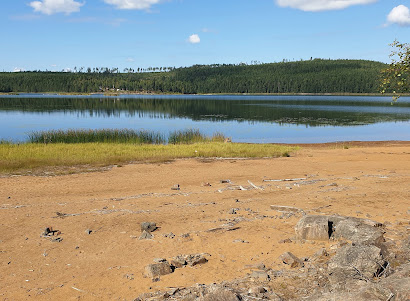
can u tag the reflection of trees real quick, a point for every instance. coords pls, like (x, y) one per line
(311, 111)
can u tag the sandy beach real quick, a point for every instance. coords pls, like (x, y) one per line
(222, 209)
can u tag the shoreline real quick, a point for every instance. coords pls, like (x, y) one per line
(220, 207)
(205, 94)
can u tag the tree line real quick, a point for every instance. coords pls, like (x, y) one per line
(312, 76)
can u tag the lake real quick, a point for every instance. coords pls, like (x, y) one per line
(245, 118)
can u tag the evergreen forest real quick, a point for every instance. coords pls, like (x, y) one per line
(312, 76)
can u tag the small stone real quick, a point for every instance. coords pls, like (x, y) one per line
(47, 231)
(196, 259)
(285, 241)
(158, 260)
(148, 226)
(88, 231)
(257, 290)
(233, 210)
(225, 181)
(290, 259)
(146, 235)
(157, 269)
(260, 275)
(175, 187)
(169, 235)
(178, 261)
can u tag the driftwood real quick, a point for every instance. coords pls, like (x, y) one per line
(285, 180)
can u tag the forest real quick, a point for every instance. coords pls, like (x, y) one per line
(311, 76)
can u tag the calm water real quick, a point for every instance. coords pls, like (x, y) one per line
(261, 119)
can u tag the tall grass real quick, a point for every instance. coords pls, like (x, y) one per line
(193, 136)
(122, 136)
(92, 136)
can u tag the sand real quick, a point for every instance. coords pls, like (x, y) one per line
(366, 180)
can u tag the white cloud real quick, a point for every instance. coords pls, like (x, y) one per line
(194, 39)
(320, 5)
(50, 7)
(18, 70)
(130, 60)
(132, 4)
(399, 15)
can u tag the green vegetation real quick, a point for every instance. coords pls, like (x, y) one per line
(121, 136)
(40, 156)
(193, 136)
(103, 135)
(396, 78)
(314, 76)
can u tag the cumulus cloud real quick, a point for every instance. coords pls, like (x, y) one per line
(399, 15)
(132, 4)
(50, 7)
(320, 5)
(194, 39)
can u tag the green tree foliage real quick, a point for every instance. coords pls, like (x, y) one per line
(313, 76)
(396, 78)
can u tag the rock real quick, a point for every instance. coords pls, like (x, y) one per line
(233, 210)
(47, 231)
(191, 260)
(285, 241)
(225, 181)
(257, 290)
(169, 235)
(195, 259)
(260, 275)
(220, 295)
(241, 241)
(88, 231)
(178, 261)
(158, 260)
(175, 187)
(313, 227)
(148, 226)
(320, 256)
(355, 262)
(358, 232)
(290, 259)
(323, 227)
(157, 269)
(146, 235)
(399, 283)
(286, 209)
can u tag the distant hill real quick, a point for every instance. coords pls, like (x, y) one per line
(314, 76)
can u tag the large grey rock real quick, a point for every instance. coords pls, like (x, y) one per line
(355, 262)
(356, 230)
(313, 227)
(358, 233)
(157, 269)
(399, 283)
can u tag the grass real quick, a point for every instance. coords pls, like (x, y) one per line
(193, 136)
(92, 136)
(40, 156)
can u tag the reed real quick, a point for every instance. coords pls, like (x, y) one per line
(193, 136)
(93, 136)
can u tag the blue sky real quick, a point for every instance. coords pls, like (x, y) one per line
(59, 34)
